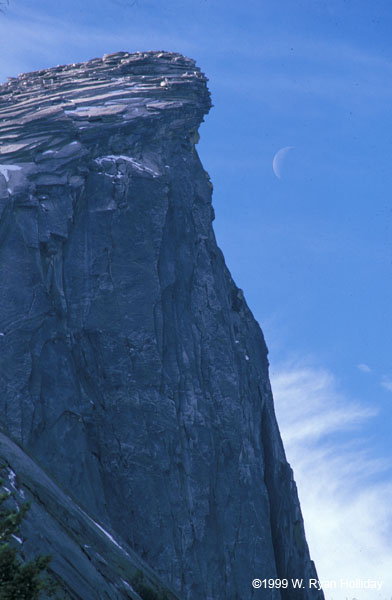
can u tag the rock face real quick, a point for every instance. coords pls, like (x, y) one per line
(131, 367)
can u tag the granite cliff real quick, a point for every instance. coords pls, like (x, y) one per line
(136, 407)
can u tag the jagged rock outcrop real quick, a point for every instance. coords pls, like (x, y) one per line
(131, 367)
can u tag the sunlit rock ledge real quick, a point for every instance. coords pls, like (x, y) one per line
(44, 110)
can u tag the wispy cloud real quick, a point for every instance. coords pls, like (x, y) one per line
(364, 368)
(345, 490)
(386, 383)
(43, 40)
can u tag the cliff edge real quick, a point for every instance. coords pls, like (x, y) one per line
(131, 368)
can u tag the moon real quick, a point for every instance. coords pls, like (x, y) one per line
(277, 162)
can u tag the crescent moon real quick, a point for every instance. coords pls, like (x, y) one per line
(278, 160)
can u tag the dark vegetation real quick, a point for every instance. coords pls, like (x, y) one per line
(19, 580)
(144, 591)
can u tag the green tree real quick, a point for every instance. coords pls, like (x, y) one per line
(19, 580)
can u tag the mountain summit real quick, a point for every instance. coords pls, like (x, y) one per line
(133, 376)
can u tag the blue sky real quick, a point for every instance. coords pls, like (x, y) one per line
(311, 250)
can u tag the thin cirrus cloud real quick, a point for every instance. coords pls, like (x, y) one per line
(386, 383)
(364, 368)
(344, 490)
(47, 40)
